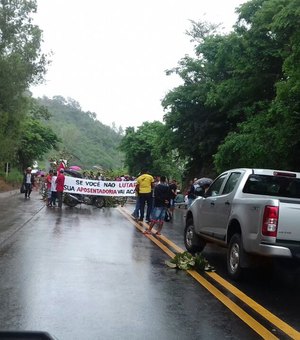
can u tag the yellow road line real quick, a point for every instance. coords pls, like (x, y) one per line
(283, 326)
(171, 244)
(152, 238)
(248, 319)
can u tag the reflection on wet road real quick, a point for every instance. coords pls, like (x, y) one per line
(88, 273)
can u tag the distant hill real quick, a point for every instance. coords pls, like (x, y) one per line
(85, 140)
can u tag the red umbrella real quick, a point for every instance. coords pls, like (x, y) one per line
(75, 167)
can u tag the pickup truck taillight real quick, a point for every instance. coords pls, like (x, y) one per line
(270, 221)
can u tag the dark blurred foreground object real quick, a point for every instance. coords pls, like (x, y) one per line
(25, 335)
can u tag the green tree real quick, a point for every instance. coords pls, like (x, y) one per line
(37, 139)
(141, 148)
(196, 124)
(240, 97)
(21, 64)
(138, 147)
(272, 30)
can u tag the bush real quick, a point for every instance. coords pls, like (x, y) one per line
(13, 178)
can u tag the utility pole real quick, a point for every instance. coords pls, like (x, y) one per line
(7, 169)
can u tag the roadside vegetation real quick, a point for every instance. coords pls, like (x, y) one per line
(41, 129)
(238, 105)
(22, 63)
(10, 182)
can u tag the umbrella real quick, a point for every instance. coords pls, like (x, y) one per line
(73, 173)
(75, 167)
(40, 173)
(203, 181)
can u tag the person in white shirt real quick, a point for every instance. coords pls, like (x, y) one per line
(53, 190)
(28, 181)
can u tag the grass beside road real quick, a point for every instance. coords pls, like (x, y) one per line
(10, 182)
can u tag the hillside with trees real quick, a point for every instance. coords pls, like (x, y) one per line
(84, 140)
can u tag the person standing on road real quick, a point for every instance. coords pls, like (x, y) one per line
(162, 197)
(191, 192)
(53, 188)
(60, 182)
(173, 188)
(136, 212)
(144, 190)
(28, 181)
(48, 183)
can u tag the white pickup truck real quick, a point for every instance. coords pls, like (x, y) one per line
(253, 212)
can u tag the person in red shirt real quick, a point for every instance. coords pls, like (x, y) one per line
(60, 182)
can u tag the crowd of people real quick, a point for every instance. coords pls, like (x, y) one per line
(53, 183)
(101, 177)
(159, 197)
(155, 194)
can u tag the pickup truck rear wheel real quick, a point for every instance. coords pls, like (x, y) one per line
(192, 241)
(234, 255)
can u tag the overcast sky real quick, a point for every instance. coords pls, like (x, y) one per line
(111, 56)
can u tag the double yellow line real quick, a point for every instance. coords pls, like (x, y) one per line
(248, 319)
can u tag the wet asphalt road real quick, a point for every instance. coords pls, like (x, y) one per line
(88, 273)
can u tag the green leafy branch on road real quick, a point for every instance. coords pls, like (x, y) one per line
(186, 261)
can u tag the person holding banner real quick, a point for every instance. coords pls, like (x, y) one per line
(60, 182)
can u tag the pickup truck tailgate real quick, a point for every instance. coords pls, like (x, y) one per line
(289, 221)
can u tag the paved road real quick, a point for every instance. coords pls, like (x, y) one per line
(88, 273)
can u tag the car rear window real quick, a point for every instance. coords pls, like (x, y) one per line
(273, 186)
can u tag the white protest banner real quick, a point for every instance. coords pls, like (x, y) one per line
(99, 188)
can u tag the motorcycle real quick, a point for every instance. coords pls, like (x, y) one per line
(72, 200)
